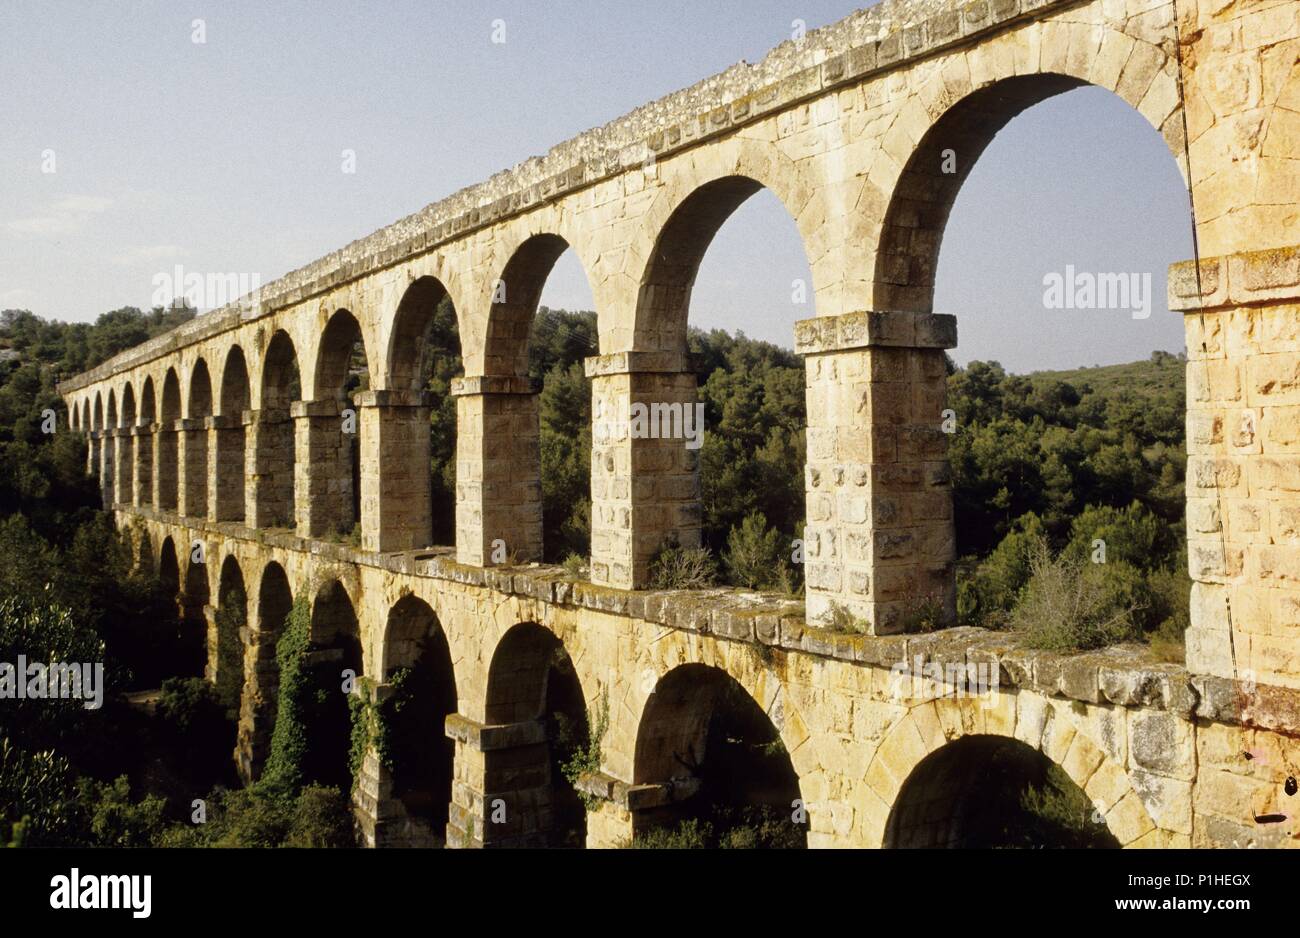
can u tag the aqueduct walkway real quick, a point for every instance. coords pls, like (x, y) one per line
(204, 434)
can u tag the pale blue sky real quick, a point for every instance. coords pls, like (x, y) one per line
(226, 155)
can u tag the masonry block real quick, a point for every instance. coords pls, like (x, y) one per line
(498, 471)
(396, 492)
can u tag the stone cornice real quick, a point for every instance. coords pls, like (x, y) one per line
(1125, 675)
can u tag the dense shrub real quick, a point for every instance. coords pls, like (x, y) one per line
(1070, 604)
(267, 815)
(118, 821)
(683, 568)
(756, 555)
(39, 791)
(193, 719)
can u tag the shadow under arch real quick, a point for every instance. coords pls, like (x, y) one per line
(418, 671)
(532, 681)
(423, 354)
(717, 759)
(169, 570)
(275, 453)
(987, 791)
(109, 480)
(231, 438)
(126, 447)
(144, 555)
(169, 443)
(144, 451)
(227, 666)
(195, 595)
(334, 647)
(257, 708)
(198, 407)
(424, 315)
(342, 368)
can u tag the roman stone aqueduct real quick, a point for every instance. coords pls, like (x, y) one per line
(203, 435)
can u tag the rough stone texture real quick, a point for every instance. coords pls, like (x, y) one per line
(879, 539)
(645, 492)
(123, 472)
(396, 497)
(322, 495)
(166, 471)
(193, 459)
(1243, 473)
(498, 482)
(226, 464)
(844, 128)
(142, 470)
(1156, 749)
(270, 454)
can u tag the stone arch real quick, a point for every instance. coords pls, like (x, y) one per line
(281, 380)
(148, 412)
(335, 442)
(408, 344)
(906, 256)
(226, 660)
(335, 641)
(199, 403)
(514, 507)
(257, 706)
(711, 751)
(968, 794)
(634, 512)
(533, 687)
(275, 448)
(126, 449)
(341, 336)
(427, 319)
(144, 554)
(128, 406)
(108, 453)
(169, 570)
(664, 292)
(229, 489)
(236, 392)
(171, 397)
(198, 408)
(929, 727)
(416, 664)
(515, 293)
(697, 199)
(195, 597)
(168, 468)
(145, 443)
(274, 601)
(97, 417)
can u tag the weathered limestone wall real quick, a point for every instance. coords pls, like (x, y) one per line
(1243, 474)
(879, 543)
(1167, 758)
